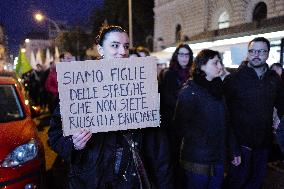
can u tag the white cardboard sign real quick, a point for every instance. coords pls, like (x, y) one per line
(108, 94)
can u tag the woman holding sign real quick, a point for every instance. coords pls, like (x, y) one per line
(118, 159)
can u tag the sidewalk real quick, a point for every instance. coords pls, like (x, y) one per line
(277, 166)
(275, 176)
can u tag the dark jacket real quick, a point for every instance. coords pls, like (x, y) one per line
(169, 86)
(280, 135)
(250, 101)
(96, 165)
(201, 119)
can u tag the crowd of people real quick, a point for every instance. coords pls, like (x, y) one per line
(41, 84)
(34, 82)
(212, 123)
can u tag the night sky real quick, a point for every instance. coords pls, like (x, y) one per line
(17, 16)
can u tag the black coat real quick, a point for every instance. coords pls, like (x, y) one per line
(169, 86)
(201, 120)
(250, 101)
(93, 167)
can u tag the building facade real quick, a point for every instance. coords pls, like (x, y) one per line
(36, 44)
(183, 20)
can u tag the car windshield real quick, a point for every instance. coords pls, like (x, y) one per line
(10, 106)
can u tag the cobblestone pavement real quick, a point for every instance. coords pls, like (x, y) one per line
(43, 125)
(55, 173)
(55, 168)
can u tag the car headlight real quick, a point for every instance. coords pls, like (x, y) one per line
(21, 154)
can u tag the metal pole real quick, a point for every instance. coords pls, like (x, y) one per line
(78, 45)
(55, 24)
(130, 23)
(282, 51)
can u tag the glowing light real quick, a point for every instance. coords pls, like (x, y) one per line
(202, 45)
(26, 102)
(237, 40)
(27, 40)
(15, 62)
(39, 17)
(23, 50)
(224, 45)
(170, 49)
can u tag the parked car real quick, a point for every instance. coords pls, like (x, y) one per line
(35, 110)
(22, 160)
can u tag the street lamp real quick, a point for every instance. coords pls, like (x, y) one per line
(40, 17)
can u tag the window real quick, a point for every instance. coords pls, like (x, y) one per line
(10, 107)
(178, 33)
(185, 38)
(224, 20)
(260, 12)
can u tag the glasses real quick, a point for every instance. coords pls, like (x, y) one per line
(183, 55)
(260, 52)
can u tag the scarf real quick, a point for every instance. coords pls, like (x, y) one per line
(214, 87)
(183, 74)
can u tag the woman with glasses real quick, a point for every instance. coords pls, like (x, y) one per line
(170, 82)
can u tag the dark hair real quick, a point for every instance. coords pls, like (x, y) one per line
(104, 30)
(61, 56)
(143, 49)
(261, 39)
(202, 59)
(277, 65)
(133, 51)
(174, 60)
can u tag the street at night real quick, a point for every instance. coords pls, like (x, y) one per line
(56, 171)
(153, 94)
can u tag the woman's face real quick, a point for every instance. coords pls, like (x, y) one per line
(115, 45)
(183, 57)
(213, 68)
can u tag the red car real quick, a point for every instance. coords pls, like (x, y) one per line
(22, 161)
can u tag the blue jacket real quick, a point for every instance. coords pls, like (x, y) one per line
(201, 120)
(280, 134)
